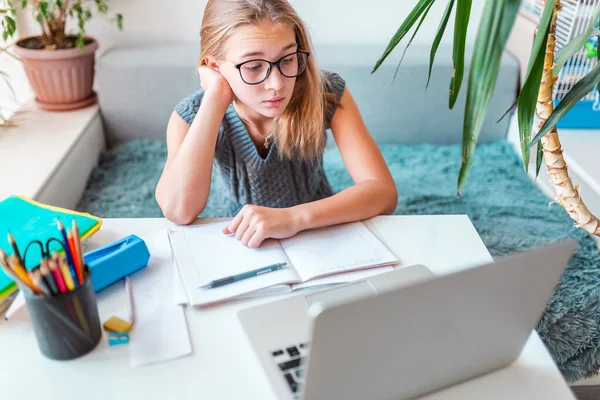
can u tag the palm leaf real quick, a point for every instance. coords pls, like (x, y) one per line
(575, 45)
(423, 16)
(495, 26)
(461, 25)
(579, 91)
(531, 88)
(403, 30)
(509, 110)
(438, 37)
(571, 48)
(539, 159)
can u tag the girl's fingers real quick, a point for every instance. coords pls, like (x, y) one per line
(241, 229)
(257, 239)
(235, 223)
(249, 234)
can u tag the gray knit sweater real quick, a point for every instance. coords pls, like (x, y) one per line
(271, 181)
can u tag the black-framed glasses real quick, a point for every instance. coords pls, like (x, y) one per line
(254, 72)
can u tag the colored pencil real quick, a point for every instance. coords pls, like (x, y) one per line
(48, 277)
(60, 282)
(18, 269)
(73, 249)
(71, 263)
(8, 271)
(13, 244)
(79, 251)
(36, 277)
(64, 269)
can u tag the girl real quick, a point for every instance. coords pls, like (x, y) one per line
(261, 117)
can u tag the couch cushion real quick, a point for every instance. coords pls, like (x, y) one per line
(138, 88)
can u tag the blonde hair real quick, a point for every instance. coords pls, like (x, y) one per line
(300, 129)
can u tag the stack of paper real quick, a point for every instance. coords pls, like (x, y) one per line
(325, 256)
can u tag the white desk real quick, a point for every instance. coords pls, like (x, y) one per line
(223, 365)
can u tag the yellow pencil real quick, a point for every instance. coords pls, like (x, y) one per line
(64, 269)
(19, 271)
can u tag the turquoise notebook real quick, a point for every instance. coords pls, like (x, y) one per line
(29, 220)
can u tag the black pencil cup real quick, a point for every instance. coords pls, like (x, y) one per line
(67, 325)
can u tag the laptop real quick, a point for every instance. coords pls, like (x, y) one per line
(405, 333)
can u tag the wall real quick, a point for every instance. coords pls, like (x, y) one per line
(330, 21)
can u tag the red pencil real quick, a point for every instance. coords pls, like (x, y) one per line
(73, 249)
(60, 282)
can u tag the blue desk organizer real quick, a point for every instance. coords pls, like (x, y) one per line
(116, 260)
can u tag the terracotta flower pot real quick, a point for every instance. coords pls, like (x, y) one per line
(61, 79)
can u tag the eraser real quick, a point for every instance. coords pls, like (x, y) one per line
(117, 325)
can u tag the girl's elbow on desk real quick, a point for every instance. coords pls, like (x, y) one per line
(392, 196)
(179, 211)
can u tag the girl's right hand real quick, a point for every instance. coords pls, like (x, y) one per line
(213, 81)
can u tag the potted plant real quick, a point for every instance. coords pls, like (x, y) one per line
(59, 66)
(535, 97)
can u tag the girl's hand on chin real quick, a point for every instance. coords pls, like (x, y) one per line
(253, 224)
(213, 82)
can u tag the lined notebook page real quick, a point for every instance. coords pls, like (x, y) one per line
(324, 251)
(203, 254)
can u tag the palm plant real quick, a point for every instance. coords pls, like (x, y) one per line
(535, 96)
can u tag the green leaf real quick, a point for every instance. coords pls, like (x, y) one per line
(531, 88)
(119, 21)
(80, 43)
(575, 45)
(403, 30)
(438, 37)
(495, 26)
(11, 26)
(539, 160)
(571, 48)
(43, 7)
(579, 91)
(423, 16)
(527, 104)
(461, 25)
(24, 4)
(509, 110)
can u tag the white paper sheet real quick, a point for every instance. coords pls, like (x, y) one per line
(325, 251)
(16, 305)
(203, 253)
(179, 295)
(345, 277)
(160, 332)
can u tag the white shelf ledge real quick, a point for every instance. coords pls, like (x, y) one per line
(48, 156)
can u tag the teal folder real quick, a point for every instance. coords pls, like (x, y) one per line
(29, 220)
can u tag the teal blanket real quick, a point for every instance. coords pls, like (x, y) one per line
(508, 211)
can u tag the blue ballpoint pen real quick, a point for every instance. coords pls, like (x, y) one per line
(244, 275)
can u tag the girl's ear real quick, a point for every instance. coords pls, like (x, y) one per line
(212, 63)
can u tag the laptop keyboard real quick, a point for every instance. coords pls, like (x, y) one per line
(290, 361)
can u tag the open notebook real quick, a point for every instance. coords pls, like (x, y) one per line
(331, 255)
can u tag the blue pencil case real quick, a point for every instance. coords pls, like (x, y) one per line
(116, 260)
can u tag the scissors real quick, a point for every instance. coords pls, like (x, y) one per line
(45, 249)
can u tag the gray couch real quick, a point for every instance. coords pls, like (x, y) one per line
(139, 86)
